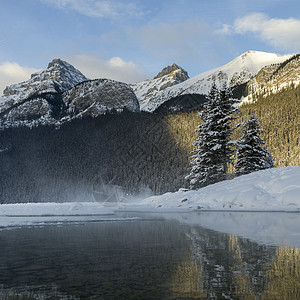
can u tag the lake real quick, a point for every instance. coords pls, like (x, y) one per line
(153, 256)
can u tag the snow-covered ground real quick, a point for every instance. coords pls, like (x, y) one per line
(274, 190)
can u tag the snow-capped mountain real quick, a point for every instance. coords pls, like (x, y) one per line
(59, 76)
(167, 77)
(274, 78)
(235, 73)
(61, 93)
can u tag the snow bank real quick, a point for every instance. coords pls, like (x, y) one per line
(276, 189)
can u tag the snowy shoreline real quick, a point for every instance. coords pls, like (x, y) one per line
(271, 190)
(276, 189)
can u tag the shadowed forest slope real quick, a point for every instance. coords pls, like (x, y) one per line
(133, 150)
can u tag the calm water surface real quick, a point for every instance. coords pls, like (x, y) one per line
(148, 258)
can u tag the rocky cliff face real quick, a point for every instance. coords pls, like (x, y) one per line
(167, 77)
(61, 93)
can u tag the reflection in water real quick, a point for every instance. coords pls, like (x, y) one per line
(283, 277)
(143, 259)
(234, 248)
(232, 267)
(241, 281)
(187, 281)
(281, 281)
(118, 260)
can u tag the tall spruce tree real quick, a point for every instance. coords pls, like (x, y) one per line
(252, 154)
(212, 152)
(229, 111)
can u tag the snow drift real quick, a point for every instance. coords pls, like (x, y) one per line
(276, 189)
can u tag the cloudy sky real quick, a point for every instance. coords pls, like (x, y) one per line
(132, 40)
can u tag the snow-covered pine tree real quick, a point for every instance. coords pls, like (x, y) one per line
(212, 153)
(229, 113)
(252, 154)
(204, 168)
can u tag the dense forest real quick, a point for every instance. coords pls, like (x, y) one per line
(134, 150)
(278, 115)
(137, 151)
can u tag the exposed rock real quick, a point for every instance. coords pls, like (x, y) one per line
(60, 92)
(174, 71)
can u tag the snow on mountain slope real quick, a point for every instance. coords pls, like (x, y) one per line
(96, 97)
(237, 72)
(40, 99)
(59, 76)
(274, 78)
(169, 76)
(59, 94)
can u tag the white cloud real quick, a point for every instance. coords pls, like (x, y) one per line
(252, 22)
(97, 8)
(115, 68)
(11, 72)
(226, 29)
(280, 33)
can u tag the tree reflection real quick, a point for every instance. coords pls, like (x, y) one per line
(283, 277)
(187, 281)
(282, 280)
(241, 282)
(238, 268)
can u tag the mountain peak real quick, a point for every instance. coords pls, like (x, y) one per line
(169, 76)
(235, 74)
(62, 73)
(172, 70)
(60, 64)
(59, 76)
(56, 62)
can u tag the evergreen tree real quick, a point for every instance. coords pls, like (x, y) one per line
(212, 152)
(252, 154)
(229, 111)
